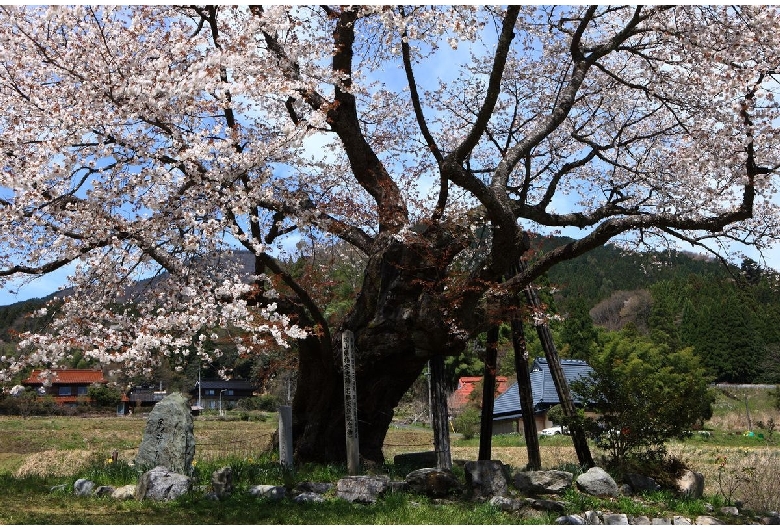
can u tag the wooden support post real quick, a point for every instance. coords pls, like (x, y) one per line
(441, 431)
(350, 402)
(285, 437)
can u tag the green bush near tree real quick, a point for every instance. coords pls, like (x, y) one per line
(467, 422)
(644, 395)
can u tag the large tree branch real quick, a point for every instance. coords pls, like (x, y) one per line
(441, 203)
(493, 87)
(342, 115)
(582, 60)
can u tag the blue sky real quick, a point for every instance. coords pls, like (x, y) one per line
(25, 289)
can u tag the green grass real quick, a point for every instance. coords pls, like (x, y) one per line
(30, 501)
(244, 443)
(513, 440)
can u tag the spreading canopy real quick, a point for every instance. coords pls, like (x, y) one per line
(140, 141)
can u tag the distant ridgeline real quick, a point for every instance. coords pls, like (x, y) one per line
(15, 318)
(604, 270)
(686, 299)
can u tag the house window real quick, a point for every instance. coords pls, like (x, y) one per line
(64, 391)
(210, 392)
(82, 391)
(229, 392)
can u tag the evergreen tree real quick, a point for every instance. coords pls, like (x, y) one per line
(577, 333)
(644, 394)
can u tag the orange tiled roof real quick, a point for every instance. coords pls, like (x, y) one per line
(466, 386)
(67, 376)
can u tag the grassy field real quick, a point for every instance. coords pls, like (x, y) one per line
(39, 453)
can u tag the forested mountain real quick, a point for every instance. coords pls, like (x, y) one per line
(596, 275)
(730, 316)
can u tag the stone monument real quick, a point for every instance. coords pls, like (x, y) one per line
(168, 439)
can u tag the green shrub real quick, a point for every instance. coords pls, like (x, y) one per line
(467, 422)
(266, 402)
(104, 396)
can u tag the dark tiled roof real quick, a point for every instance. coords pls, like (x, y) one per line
(507, 405)
(225, 385)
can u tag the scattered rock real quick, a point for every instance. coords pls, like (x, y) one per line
(640, 520)
(362, 489)
(222, 482)
(168, 439)
(508, 504)
(616, 518)
(691, 484)
(433, 482)
(486, 478)
(83, 487)
(308, 497)
(415, 460)
(547, 505)
(58, 487)
(593, 517)
(124, 493)
(706, 519)
(640, 482)
(729, 510)
(104, 491)
(771, 518)
(570, 519)
(679, 519)
(661, 521)
(161, 484)
(553, 481)
(598, 483)
(269, 492)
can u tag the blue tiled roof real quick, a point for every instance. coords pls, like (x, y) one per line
(507, 405)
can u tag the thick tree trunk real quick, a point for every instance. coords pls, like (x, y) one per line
(440, 414)
(579, 439)
(526, 395)
(398, 325)
(488, 395)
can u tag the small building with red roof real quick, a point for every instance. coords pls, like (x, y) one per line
(66, 386)
(466, 387)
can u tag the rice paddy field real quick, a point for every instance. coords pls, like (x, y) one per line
(738, 450)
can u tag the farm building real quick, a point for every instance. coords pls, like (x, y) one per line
(67, 386)
(507, 412)
(212, 393)
(466, 387)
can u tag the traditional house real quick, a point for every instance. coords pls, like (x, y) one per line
(67, 386)
(221, 395)
(507, 412)
(140, 397)
(458, 400)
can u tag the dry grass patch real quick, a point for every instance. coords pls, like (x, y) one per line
(54, 463)
(517, 457)
(748, 474)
